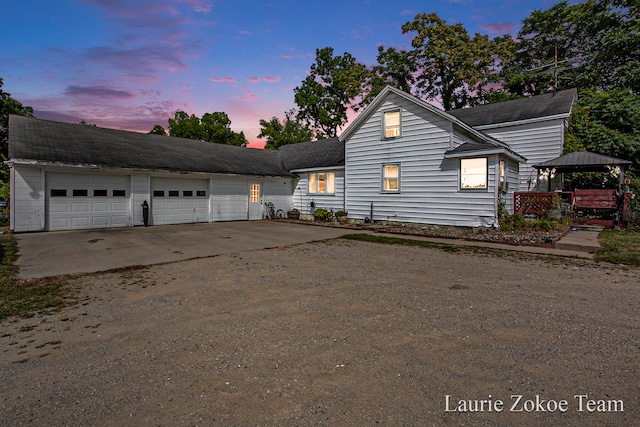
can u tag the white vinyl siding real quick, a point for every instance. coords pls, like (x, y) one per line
(429, 182)
(27, 199)
(302, 199)
(537, 142)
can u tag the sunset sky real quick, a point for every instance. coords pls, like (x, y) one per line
(132, 64)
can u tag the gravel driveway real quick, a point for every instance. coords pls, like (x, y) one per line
(334, 333)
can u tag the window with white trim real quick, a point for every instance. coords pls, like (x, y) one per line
(322, 183)
(391, 178)
(391, 124)
(473, 174)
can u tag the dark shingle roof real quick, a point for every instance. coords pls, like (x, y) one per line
(549, 104)
(316, 154)
(581, 160)
(42, 140)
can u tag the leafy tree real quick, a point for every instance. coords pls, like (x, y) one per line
(82, 122)
(325, 96)
(158, 130)
(395, 68)
(212, 127)
(452, 66)
(8, 105)
(608, 123)
(282, 132)
(588, 44)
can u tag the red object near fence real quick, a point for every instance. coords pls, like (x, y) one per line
(595, 199)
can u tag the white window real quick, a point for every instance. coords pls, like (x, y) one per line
(392, 124)
(473, 174)
(254, 193)
(391, 178)
(322, 182)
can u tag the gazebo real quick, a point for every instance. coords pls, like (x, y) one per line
(583, 161)
(592, 206)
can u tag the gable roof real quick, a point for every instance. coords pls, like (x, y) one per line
(483, 143)
(556, 104)
(310, 155)
(33, 139)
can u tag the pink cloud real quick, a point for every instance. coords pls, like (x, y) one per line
(270, 79)
(407, 12)
(498, 27)
(223, 80)
(285, 56)
(253, 79)
(198, 5)
(244, 32)
(250, 97)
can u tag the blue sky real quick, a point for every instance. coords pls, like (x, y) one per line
(131, 64)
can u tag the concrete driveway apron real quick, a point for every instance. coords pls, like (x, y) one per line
(86, 251)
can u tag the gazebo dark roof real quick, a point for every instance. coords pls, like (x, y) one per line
(585, 161)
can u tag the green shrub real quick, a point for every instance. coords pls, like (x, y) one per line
(321, 214)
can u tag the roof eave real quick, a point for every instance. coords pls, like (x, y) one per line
(485, 152)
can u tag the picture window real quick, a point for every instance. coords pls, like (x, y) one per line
(473, 174)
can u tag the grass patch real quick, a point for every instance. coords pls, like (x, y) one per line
(401, 241)
(26, 298)
(620, 247)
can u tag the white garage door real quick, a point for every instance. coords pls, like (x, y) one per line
(77, 201)
(179, 201)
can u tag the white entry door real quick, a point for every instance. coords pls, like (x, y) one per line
(255, 201)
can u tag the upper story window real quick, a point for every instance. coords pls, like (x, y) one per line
(473, 174)
(322, 183)
(391, 124)
(391, 178)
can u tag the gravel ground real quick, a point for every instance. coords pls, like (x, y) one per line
(333, 333)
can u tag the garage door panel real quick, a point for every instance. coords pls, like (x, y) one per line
(80, 222)
(80, 207)
(176, 200)
(100, 221)
(103, 201)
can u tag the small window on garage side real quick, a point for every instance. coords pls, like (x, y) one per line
(119, 193)
(158, 193)
(58, 193)
(174, 193)
(80, 193)
(201, 193)
(99, 193)
(187, 193)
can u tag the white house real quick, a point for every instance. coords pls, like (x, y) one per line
(409, 161)
(402, 160)
(533, 127)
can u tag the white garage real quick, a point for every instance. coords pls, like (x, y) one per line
(79, 201)
(179, 200)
